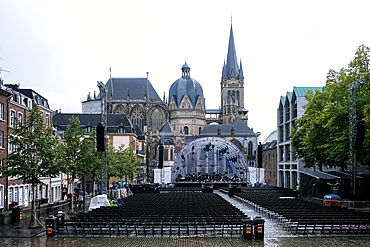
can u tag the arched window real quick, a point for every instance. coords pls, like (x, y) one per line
(137, 118)
(186, 130)
(250, 148)
(237, 98)
(200, 130)
(157, 119)
(119, 109)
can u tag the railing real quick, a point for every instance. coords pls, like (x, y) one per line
(344, 203)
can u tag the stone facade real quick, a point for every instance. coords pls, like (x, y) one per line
(269, 163)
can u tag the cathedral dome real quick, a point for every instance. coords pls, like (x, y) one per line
(186, 86)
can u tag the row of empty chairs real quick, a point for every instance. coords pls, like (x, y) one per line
(161, 215)
(305, 217)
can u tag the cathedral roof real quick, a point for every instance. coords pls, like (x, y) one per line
(241, 129)
(136, 88)
(231, 69)
(114, 121)
(167, 127)
(186, 86)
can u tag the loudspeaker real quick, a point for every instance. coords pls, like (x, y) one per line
(160, 159)
(100, 140)
(260, 156)
(359, 134)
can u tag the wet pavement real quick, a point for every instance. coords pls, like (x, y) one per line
(18, 234)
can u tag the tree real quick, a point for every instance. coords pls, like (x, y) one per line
(122, 162)
(35, 153)
(80, 157)
(321, 135)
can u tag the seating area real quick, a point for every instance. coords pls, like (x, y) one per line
(182, 189)
(161, 215)
(304, 217)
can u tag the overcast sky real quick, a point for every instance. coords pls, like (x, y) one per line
(62, 48)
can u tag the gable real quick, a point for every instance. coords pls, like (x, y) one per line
(185, 103)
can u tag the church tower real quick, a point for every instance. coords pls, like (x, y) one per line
(232, 87)
(187, 105)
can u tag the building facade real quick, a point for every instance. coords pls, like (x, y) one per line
(15, 103)
(290, 109)
(269, 158)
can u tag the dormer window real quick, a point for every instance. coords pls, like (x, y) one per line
(121, 129)
(88, 129)
(15, 98)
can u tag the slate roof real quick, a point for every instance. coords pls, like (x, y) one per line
(167, 128)
(231, 68)
(241, 129)
(186, 86)
(30, 93)
(269, 145)
(114, 121)
(301, 91)
(271, 137)
(213, 111)
(119, 88)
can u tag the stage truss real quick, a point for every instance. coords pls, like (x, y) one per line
(210, 155)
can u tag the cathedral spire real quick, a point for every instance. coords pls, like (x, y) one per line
(241, 76)
(232, 69)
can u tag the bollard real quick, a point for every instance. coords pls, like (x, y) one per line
(259, 227)
(60, 220)
(51, 225)
(247, 229)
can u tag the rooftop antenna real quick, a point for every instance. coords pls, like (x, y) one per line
(147, 85)
(110, 80)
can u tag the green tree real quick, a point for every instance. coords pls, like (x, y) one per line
(122, 162)
(35, 153)
(321, 135)
(80, 157)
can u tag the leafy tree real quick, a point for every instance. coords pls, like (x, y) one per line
(321, 135)
(80, 157)
(122, 162)
(35, 153)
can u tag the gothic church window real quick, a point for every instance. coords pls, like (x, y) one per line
(186, 130)
(250, 148)
(157, 119)
(237, 97)
(118, 109)
(137, 118)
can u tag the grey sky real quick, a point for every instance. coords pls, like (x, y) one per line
(61, 48)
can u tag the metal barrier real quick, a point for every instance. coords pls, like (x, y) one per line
(345, 203)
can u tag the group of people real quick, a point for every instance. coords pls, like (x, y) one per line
(115, 202)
